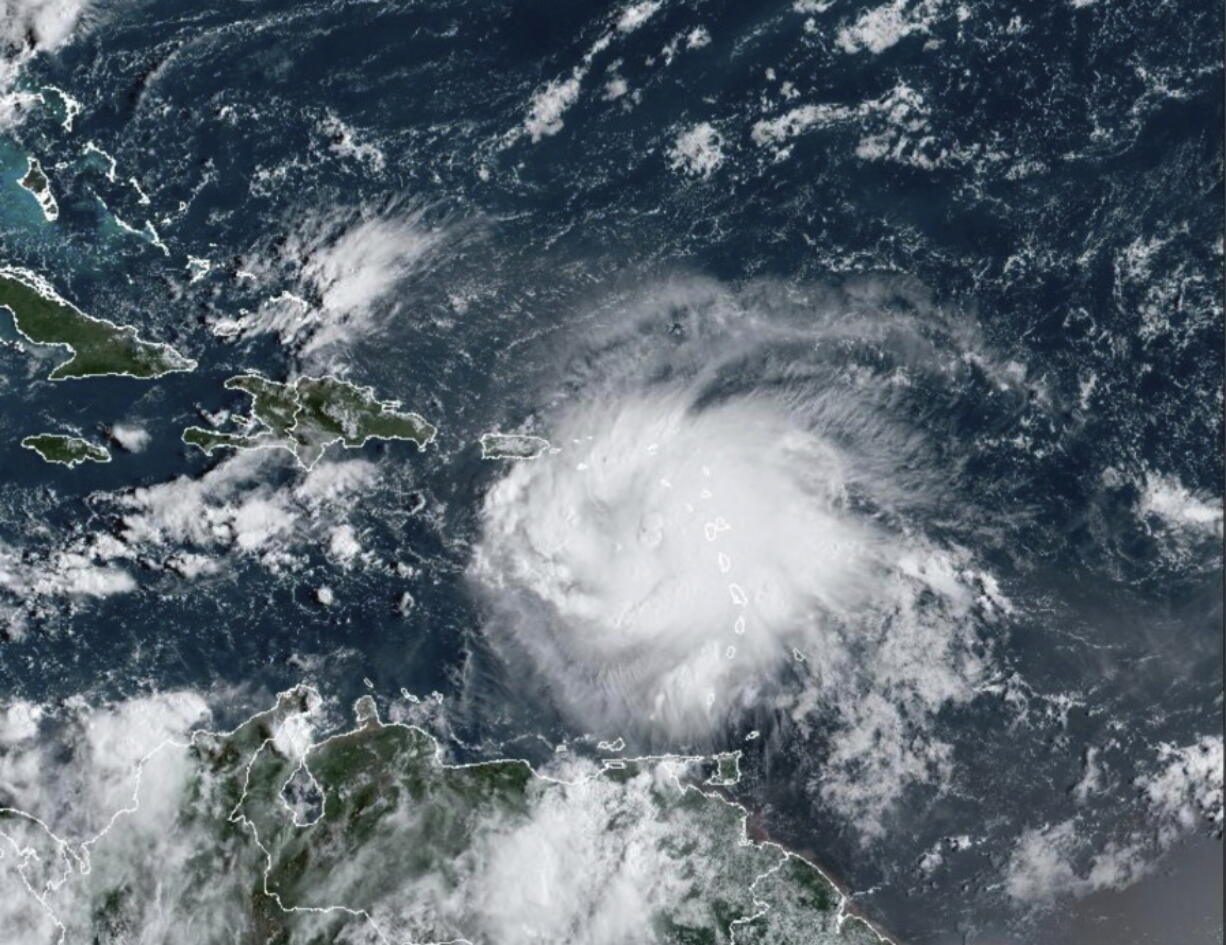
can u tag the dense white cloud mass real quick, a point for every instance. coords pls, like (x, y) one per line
(98, 797)
(28, 27)
(132, 818)
(686, 552)
(1050, 861)
(361, 267)
(345, 271)
(66, 573)
(691, 539)
(132, 438)
(48, 23)
(96, 754)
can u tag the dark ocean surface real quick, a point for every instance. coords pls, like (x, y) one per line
(1037, 187)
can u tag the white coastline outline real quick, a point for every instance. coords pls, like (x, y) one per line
(33, 280)
(72, 106)
(46, 199)
(71, 464)
(490, 448)
(267, 439)
(366, 713)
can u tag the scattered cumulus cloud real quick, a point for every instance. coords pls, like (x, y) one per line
(65, 573)
(615, 88)
(1166, 499)
(132, 438)
(1092, 780)
(878, 29)
(550, 103)
(233, 507)
(1070, 859)
(698, 37)
(634, 16)
(1186, 789)
(1042, 868)
(193, 528)
(348, 143)
(346, 270)
(893, 127)
(698, 151)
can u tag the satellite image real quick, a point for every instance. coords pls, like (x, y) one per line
(654, 472)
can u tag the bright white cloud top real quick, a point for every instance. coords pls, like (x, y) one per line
(697, 550)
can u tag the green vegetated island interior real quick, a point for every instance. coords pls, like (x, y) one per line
(98, 347)
(367, 836)
(36, 182)
(308, 415)
(512, 446)
(67, 450)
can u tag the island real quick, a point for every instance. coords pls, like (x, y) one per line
(67, 450)
(274, 833)
(512, 446)
(310, 414)
(98, 348)
(36, 182)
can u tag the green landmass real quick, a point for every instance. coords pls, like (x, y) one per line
(98, 347)
(261, 835)
(35, 180)
(512, 446)
(209, 440)
(728, 769)
(68, 450)
(310, 414)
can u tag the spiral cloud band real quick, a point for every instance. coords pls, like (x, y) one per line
(739, 529)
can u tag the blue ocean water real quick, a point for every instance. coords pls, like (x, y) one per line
(1049, 175)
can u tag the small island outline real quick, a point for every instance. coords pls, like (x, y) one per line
(66, 450)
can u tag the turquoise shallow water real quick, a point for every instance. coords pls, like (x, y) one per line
(533, 194)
